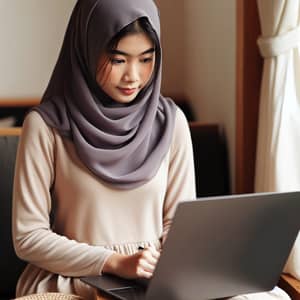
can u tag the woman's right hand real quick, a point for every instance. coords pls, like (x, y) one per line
(138, 265)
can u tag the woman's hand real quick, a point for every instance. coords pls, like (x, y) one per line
(138, 265)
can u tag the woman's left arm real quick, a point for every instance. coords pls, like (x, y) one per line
(181, 175)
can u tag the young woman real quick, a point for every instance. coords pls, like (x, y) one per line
(105, 159)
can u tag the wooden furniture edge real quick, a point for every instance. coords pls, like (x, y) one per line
(290, 285)
(19, 102)
(10, 131)
(202, 124)
(249, 67)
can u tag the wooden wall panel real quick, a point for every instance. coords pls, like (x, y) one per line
(249, 74)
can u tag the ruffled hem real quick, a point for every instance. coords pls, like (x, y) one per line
(131, 248)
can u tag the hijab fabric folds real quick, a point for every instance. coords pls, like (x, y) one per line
(123, 145)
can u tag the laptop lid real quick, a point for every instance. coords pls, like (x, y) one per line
(224, 246)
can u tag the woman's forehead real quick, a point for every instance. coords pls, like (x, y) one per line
(135, 44)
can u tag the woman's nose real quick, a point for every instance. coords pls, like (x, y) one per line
(131, 73)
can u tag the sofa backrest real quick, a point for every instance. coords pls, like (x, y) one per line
(211, 159)
(10, 265)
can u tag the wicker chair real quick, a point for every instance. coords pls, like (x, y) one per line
(50, 296)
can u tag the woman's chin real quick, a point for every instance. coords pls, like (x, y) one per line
(125, 98)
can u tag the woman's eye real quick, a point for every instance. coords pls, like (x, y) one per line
(147, 60)
(116, 61)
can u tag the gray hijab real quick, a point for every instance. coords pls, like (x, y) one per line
(123, 145)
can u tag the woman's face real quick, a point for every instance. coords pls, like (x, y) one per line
(124, 72)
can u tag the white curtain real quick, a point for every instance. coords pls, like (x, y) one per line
(278, 149)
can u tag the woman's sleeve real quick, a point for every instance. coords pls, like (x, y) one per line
(181, 175)
(34, 241)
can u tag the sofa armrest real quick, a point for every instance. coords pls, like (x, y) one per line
(10, 264)
(290, 285)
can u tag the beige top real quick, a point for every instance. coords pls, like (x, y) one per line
(91, 218)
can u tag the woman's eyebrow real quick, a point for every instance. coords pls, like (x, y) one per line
(113, 52)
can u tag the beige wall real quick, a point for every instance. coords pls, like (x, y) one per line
(172, 36)
(210, 64)
(200, 64)
(31, 34)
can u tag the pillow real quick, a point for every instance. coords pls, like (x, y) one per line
(7, 122)
(292, 265)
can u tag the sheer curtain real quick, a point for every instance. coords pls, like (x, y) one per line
(278, 149)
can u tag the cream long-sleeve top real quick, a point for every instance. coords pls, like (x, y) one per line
(91, 219)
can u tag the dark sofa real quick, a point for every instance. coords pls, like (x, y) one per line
(10, 265)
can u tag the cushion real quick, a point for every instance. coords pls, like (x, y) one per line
(50, 296)
(7, 122)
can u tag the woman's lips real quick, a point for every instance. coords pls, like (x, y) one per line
(127, 91)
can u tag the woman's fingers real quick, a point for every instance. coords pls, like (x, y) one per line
(155, 253)
(147, 262)
(149, 257)
(147, 265)
(144, 265)
(144, 274)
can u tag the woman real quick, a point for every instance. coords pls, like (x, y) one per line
(104, 154)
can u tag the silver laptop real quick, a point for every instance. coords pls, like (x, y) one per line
(218, 247)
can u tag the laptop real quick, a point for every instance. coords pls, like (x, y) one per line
(218, 247)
